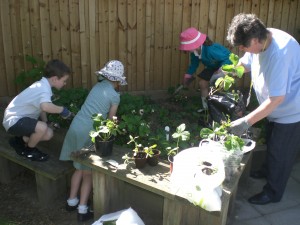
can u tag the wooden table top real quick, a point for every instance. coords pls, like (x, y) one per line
(155, 179)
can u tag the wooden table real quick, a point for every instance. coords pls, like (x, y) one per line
(148, 191)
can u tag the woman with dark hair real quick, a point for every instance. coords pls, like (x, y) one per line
(272, 56)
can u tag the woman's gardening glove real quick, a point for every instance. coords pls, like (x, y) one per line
(187, 79)
(239, 126)
(66, 114)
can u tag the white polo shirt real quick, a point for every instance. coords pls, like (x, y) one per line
(27, 103)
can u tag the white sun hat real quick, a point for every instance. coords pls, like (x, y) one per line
(113, 71)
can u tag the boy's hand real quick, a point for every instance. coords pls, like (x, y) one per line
(66, 114)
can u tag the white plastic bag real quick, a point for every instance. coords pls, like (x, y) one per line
(122, 217)
(197, 175)
(231, 159)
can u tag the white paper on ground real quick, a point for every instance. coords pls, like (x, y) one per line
(123, 217)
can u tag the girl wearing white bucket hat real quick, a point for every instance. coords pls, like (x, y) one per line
(103, 99)
(202, 49)
(113, 71)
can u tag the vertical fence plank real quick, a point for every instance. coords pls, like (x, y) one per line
(247, 6)
(158, 50)
(140, 50)
(132, 23)
(270, 13)
(277, 14)
(75, 42)
(297, 27)
(92, 40)
(18, 58)
(84, 32)
(255, 7)
(149, 44)
(122, 37)
(103, 32)
(55, 29)
(65, 35)
(25, 30)
(45, 30)
(167, 46)
(292, 29)
(8, 46)
(35, 28)
(212, 19)
(263, 13)
(186, 23)
(3, 74)
(221, 14)
(195, 14)
(112, 29)
(285, 15)
(130, 45)
(204, 18)
(176, 76)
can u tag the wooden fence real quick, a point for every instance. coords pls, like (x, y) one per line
(143, 34)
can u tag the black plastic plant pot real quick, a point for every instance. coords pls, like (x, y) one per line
(153, 161)
(104, 148)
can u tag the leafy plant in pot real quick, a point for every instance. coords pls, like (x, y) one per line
(228, 145)
(181, 135)
(142, 154)
(104, 134)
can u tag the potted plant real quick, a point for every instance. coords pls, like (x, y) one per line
(222, 99)
(228, 145)
(104, 134)
(142, 154)
(181, 135)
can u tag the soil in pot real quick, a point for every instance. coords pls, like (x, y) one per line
(104, 148)
(140, 160)
(153, 161)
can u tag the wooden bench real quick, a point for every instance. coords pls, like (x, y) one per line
(52, 176)
(148, 191)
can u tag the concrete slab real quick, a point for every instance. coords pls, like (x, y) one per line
(289, 216)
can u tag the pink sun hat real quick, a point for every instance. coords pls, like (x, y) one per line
(191, 39)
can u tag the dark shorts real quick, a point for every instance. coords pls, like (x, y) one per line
(24, 127)
(206, 74)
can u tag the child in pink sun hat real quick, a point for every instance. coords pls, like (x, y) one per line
(202, 49)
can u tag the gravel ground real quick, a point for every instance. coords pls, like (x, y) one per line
(19, 205)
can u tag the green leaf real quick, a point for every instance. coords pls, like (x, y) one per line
(239, 71)
(234, 59)
(185, 135)
(205, 132)
(219, 82)
(180, 128)
(228, 68)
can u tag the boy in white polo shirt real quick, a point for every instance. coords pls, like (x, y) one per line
(25, 116)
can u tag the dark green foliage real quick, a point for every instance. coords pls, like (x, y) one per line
(27, 77)
(140, 116)
(72, 99)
